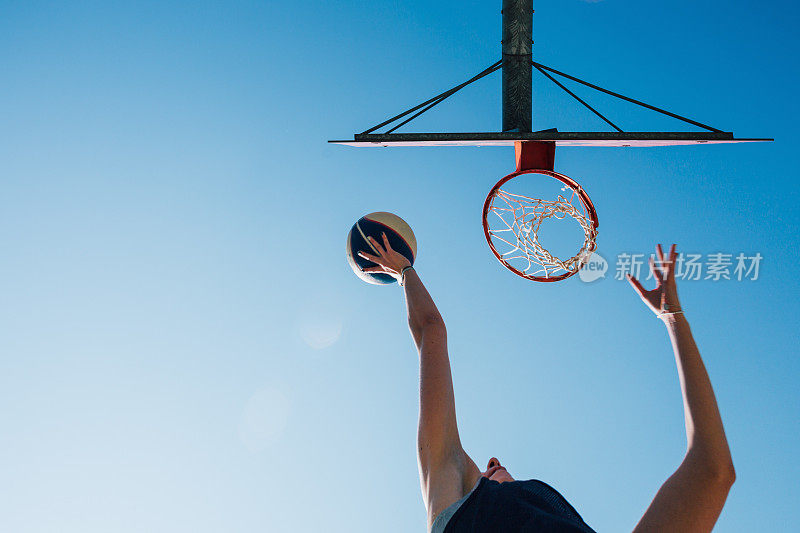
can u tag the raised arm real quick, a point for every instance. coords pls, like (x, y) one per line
(692, 498)
(444, 467)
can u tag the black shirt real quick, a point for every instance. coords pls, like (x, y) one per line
(516, 507)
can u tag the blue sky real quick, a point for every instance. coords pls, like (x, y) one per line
(184, 348)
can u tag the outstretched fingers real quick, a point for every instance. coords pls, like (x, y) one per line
(386, 245)
(637, 286)
(658, 272)
(660, 253)
(367, 256)
(673, 258)
(666, 266)
(374, 259)
(378, 246)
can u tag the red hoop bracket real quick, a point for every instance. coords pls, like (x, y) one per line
(535, 155)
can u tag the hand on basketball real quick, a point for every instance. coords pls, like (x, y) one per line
(388, 260)
(664, 298)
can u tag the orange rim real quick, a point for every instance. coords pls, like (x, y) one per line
(566, 180)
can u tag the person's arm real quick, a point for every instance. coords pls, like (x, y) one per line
(443, 464)
(691, 500)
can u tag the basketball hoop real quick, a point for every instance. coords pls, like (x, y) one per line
(512, 220)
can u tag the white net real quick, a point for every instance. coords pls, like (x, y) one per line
(514, 220)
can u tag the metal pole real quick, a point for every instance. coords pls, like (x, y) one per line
(517, 68)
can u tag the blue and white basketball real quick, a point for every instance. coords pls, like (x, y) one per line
(400, 236)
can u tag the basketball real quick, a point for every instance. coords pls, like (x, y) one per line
(400, 237)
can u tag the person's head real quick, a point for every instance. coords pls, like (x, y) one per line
(496, 472)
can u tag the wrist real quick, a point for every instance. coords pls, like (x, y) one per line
(403, 272)
(669, 309)
(672, 317)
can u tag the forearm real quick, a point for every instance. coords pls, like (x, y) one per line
(705, 434)
(422, 312)
(437, 431)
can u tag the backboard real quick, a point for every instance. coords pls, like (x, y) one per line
(565, 138)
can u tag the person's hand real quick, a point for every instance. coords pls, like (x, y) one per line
(388, 260)
(664, 298)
